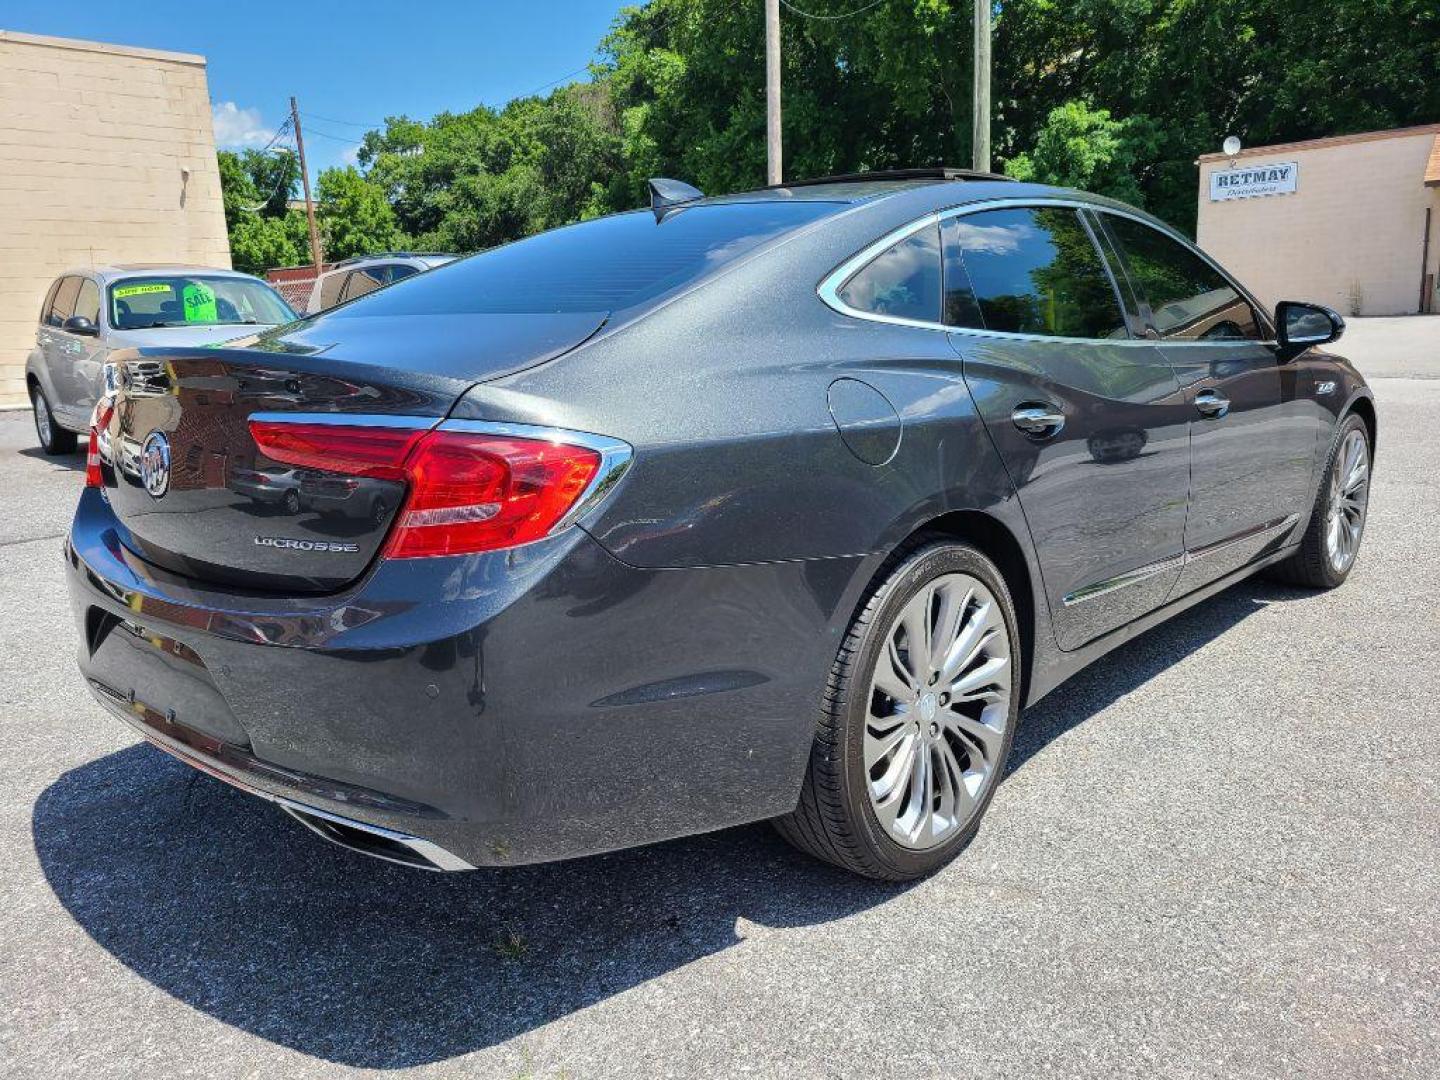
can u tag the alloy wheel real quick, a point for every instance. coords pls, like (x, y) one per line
(1349, 497)
(938, 710)
(42, 418)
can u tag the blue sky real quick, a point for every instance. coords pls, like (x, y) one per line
(352, 63)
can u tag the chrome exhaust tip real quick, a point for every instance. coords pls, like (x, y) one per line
(374, 841)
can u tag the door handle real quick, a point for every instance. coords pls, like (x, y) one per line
(1212, 404)
(1041, 420)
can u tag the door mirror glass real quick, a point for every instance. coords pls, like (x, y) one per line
(1302, 325)
(79, 324)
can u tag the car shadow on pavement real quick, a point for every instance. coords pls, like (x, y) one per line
(215, 897)
(224, 903)
(1138, 661)
(70, 462)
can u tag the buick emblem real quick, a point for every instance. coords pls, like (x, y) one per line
(155, 464)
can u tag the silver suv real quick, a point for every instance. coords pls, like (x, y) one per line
(351, 278)
(89, 313)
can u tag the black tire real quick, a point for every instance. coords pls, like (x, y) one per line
(291, 503)
(1310, 567)
(835, 820)
(53, 438)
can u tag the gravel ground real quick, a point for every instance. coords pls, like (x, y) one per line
(1218, 854)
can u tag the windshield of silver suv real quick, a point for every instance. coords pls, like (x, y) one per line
(195, 300)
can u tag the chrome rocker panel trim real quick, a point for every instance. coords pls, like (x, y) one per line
(1175, 562)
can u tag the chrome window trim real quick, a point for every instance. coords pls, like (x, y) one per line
(616, 455)
(829, 288)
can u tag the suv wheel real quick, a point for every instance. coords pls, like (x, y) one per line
(918, 718)
(53, 438)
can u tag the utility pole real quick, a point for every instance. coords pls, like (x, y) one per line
(305, 180)
(980, 129)
(772, 92)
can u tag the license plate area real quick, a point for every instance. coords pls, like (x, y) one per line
(158, 675)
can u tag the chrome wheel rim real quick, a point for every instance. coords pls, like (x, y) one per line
(1349, 496)
(42, 419)
(938, 711)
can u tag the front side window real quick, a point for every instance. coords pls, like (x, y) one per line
(195, 300)
(87, 303)
(1189, 299)
(330, 288)
(902, 282)
(1031, 270)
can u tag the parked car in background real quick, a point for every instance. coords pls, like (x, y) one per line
(352, 278)
(779, 504)
(89, 313)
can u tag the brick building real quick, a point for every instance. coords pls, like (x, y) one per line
(107, 155)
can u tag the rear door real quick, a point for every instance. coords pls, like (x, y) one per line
(1252, 437)
(1089, 419)
(64, 354)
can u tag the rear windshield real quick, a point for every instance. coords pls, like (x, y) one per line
(195, 300)
(608, 264)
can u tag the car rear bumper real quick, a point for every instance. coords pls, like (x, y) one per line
(513, 707)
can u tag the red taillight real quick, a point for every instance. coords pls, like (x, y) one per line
(471, 492)
(357, 451)
(99, 420)
(467, 491)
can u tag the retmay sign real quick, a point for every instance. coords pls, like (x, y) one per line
(1250, 181)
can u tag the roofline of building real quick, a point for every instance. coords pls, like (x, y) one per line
(77, 45)
(1320, 144)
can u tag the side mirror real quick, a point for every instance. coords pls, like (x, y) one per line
(79, 324)
(1303, 325)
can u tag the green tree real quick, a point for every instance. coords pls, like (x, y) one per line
(355, 216)
(255, 190)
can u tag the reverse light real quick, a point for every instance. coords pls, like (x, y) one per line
(471, 486)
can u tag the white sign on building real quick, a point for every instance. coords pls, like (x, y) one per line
(1248, 181)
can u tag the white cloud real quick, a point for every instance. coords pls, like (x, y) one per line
(236, 127)
(350, 155)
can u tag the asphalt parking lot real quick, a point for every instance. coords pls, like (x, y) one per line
(1217, 854)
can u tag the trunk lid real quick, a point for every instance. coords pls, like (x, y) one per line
(226, 514)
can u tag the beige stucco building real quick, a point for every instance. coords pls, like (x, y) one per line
(107, 155)
(1348, 221)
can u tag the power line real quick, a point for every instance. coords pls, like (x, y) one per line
(345, 123)
(338, 138)
(832, 18)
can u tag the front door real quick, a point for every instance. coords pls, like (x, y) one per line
(1090, 421)
(1252, 438)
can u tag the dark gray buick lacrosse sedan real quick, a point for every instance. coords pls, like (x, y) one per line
(775, 505)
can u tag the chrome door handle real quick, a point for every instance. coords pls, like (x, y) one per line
(1212, 404)
(1041, 421)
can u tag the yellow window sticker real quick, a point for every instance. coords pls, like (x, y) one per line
(199, 300)
(122, 291)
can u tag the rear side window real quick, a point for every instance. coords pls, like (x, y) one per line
(49, 302)
(1189, 299)
(1030, 271)
(902, 282)
(63, 306)
(607, 264)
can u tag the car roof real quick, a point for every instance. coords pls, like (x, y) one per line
(120, 271)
